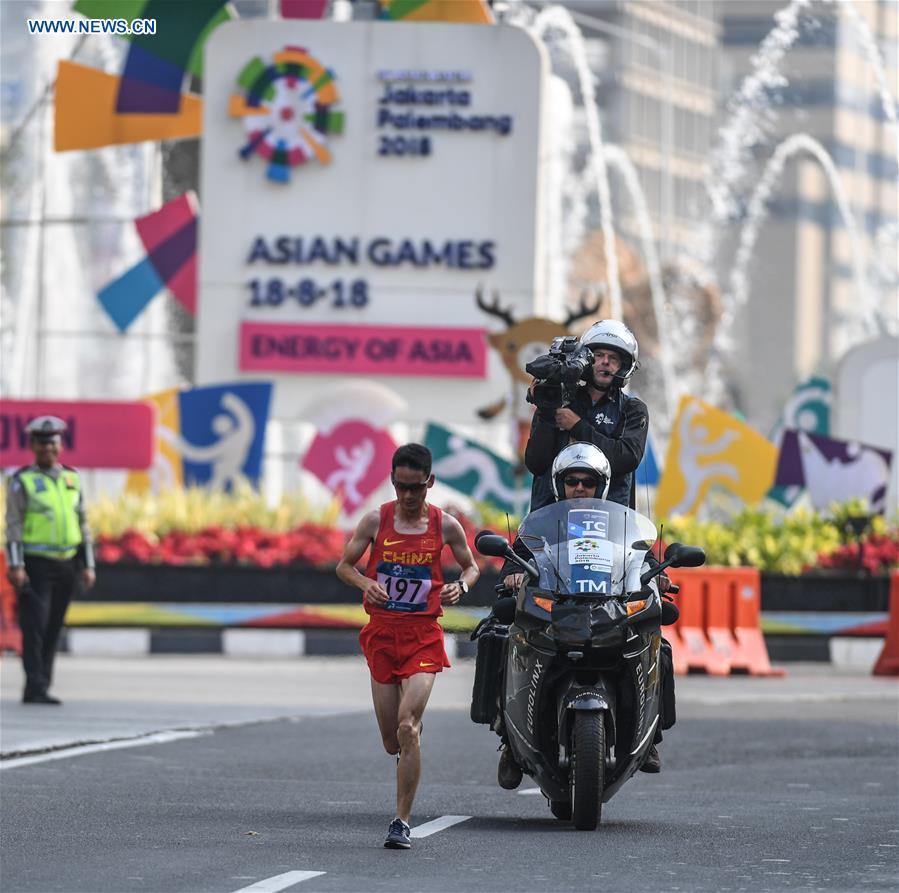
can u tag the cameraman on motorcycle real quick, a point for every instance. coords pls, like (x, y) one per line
(580, 471)
(601, 414)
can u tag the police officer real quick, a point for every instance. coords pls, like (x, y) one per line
(601, 414)
(49, 542)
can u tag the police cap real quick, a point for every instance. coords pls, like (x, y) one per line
(45, 426)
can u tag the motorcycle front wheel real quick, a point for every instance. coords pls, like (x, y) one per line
(588, 749)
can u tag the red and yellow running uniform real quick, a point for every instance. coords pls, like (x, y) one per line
(403, 637)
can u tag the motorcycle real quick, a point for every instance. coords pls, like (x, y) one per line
(568, 671)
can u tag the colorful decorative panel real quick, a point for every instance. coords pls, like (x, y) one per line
(474, 11)
(169, 236)
(85, 115)
(157, 64)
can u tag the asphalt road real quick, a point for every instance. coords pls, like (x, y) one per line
(764, 787)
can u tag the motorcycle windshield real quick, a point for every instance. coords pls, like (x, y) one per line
(587, 546)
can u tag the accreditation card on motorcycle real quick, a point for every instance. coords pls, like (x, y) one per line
(590, 543)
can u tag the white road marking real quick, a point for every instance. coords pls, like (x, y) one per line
(279, 882)
(445, 821)
(65, 753)
(531, 791)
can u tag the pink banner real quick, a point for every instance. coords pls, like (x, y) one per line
(303, 9)
(99, 435)
(360, 350)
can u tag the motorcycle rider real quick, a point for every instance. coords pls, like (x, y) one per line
(601, 414)
(580, 471)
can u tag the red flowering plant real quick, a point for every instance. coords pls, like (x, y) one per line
(309, 544)
(878, 554)
(196, 526)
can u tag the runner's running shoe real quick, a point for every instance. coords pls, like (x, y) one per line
(398, 836)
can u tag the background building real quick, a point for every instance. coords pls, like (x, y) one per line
(657, 64)
(805, 309)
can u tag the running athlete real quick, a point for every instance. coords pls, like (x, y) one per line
(404, 593)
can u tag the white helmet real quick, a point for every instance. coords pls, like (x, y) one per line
(586, 457)
(615, 334)
(46, 426)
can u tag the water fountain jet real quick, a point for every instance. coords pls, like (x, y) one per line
(557, 17)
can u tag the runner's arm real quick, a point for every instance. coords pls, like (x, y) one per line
(454, 537)
(363, 536)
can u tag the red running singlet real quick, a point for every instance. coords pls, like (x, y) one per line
(407, 565)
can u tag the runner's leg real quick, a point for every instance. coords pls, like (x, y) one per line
(386, 698)
(415, 693)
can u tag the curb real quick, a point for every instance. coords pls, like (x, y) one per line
(238, 643)
(854, 652)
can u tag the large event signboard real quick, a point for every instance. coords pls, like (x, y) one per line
(359, 182)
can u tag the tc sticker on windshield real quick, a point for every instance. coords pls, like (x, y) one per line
(588, 523)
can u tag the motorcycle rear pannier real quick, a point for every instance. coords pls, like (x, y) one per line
(492, 642)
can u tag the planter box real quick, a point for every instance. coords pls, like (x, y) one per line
(238, 584)
(820, 591)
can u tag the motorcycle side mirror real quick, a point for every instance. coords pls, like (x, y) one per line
(679, 555)
(676, 555)
(498, 547)
(491, 544)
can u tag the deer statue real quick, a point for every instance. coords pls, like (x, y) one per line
(518, 344)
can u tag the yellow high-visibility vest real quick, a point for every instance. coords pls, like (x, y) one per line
(51, 528)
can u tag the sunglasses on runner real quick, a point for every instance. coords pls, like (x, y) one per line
(586, 482)
(409, 488)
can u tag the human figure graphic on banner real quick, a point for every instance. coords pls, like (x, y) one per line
(228, 455)
(464, 459)
(353, 467)
(693, 447)
(351, 459)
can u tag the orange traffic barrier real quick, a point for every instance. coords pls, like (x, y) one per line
(720, 622)
(746, 599)
(697, 650)
(720, 588)
(888, 662)
(10, 634)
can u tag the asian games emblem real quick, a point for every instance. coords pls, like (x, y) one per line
(288, 110)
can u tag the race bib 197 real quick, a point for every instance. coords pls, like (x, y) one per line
(407, 585)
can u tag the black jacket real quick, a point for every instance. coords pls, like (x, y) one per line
(617, 424)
